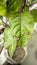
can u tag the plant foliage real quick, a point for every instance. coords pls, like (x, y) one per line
(21, 24)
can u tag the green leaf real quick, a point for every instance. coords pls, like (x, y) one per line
(22, 27)
(13, 6)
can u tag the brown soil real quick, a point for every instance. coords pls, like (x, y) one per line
(19, 54)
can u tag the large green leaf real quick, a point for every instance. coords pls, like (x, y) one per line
(20, 31)
(22, 27)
